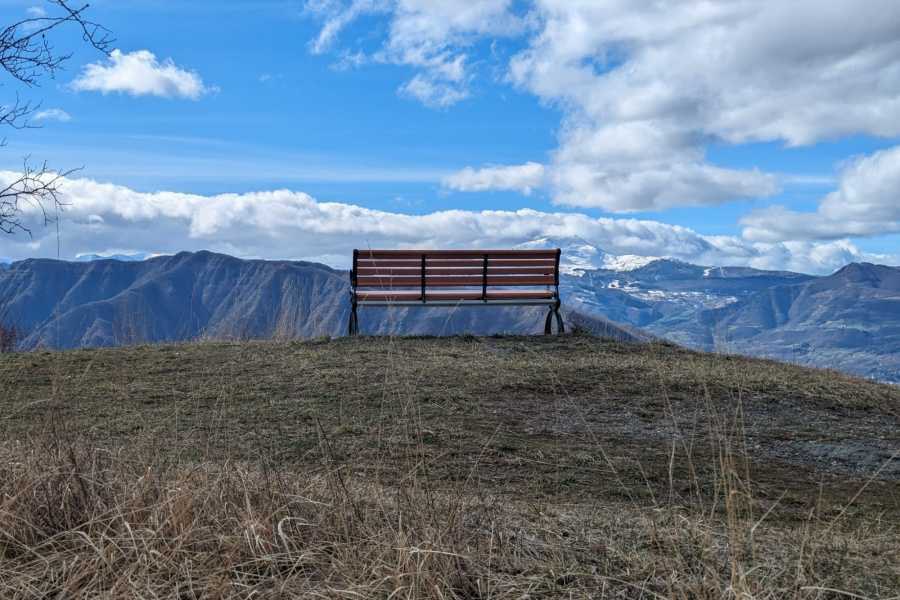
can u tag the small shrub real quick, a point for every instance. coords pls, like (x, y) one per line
(9, 338)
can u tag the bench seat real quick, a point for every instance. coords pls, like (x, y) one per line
(417, 296)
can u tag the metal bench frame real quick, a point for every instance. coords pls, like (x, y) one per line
(419, 280)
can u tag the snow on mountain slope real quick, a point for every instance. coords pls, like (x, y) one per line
(579, 255)
(627, 262)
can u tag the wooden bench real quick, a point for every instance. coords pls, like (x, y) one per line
(455, 278)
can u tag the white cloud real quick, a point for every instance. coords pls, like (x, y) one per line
(646, 87)
(103, 217)
(36, 12)
(522, 178)
(433, 92)
(656, 187)
(53, 114)
(336, 16)
(139, 73)
(866, 203)
(431, 37)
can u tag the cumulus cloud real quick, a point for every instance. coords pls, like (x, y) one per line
(522, 178)
(52, 114)
(102, 218)
(646, 87)
(140, 73)
(866, 203)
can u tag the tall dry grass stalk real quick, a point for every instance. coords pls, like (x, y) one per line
(77, 522)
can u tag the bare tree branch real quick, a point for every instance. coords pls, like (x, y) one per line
(26, 52)
(27, 55)
(39, 187)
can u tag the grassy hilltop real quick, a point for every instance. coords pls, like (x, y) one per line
(458, 467)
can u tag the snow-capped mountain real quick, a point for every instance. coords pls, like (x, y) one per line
(579, 255)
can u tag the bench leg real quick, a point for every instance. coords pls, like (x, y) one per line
(353, 327)
(548, 324)
(560, 328)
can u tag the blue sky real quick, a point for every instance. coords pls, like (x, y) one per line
(282, 116)
(707, 142)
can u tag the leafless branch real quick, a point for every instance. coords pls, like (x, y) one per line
(26, 52)
(37, 187)
(27, 55)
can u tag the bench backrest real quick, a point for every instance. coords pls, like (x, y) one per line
(421, 270)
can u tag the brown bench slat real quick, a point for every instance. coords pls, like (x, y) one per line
(362, 263)
(512, 295)
(453, 281)
(473, 270)
(413, 296)
(376, 254)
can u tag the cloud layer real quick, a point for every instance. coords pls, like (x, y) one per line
(139, 73)
(646, 87)
(866, 203)
(105, 218)
(520, 178)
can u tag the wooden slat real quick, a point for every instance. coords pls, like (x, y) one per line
(529, 270)
(457, 280)
(375, 254)
(453, 281)
(474, 270)
(417, 263)
(501, 295)
(511, 295)
(408, 296)
(388, 263)
(387, 296)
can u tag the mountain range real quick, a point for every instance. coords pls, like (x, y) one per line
(849, 320)
(204, 295)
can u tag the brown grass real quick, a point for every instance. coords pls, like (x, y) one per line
(460, 468)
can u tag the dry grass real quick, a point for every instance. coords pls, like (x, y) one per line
(88, 524)
(463, 468)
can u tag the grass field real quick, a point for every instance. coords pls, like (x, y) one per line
(458, 467)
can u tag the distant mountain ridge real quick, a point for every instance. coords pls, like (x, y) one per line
(200, 295)
(110, 302)
(849, 320)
